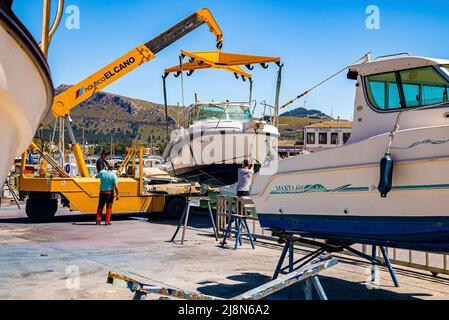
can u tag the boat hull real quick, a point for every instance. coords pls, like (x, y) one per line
(215, 174)
(334, 194)
(26, 90)
(415, 233)
(213, 156)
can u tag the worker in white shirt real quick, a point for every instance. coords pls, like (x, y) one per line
(245, 175)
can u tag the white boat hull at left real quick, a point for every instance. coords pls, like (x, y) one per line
(26, 89)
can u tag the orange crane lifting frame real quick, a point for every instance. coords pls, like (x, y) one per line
(231, 62)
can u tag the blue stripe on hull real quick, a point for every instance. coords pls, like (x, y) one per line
(416, 233)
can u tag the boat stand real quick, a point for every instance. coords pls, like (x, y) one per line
(326, 247)
(308, 274)
(11, 192)
(374, 262)
(193, 202)
(241, 228)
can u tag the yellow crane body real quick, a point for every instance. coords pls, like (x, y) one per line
(85, 89)
(83, 193)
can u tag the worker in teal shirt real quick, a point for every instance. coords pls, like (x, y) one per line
(108, 184)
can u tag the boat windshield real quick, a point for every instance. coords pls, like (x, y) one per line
(222, 112)
(407, 88)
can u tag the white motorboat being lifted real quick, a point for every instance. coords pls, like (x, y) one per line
(401, 115)
(26, 89)
(215, 141)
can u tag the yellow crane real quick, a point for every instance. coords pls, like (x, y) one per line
(81, 193)
(85, 89)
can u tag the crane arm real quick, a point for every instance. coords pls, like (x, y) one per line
(85, 89)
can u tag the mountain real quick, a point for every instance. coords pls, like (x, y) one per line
(305, 113)
(126, 118)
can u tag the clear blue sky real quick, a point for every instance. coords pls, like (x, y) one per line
(314, 39)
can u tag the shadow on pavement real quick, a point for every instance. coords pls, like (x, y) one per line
(336, 289)
(198, 219)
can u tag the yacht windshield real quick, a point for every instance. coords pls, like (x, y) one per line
(210, 112)
(223, 113)
(418, 87)
(238, 113)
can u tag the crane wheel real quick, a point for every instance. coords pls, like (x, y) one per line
(175, 207)
(41, 210)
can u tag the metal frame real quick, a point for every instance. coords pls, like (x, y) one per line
(231, 62)
(290, 239)
(185, 218)
(239, 222)
(307, 275)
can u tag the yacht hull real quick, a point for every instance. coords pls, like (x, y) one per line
(333, 194)
(215, 174)
(26, 90)
(214, 157)
(416, 233)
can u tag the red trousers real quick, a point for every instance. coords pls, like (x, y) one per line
(108, 215)
(106, 198)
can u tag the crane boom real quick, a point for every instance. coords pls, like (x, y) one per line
(85, 89)
(70, 98)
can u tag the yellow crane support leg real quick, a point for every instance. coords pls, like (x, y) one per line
(79, 156)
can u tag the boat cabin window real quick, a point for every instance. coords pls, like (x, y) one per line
(446, 66)
(383, 91)
(419, 87)
(223, 113)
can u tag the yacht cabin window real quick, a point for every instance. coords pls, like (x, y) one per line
(446, 66)
(407, 89)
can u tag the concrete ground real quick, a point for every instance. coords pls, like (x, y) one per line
(43, 261)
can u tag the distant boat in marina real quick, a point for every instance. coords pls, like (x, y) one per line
(343, 194)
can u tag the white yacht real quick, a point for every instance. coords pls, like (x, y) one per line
(26, 89)
(389, 184)
(216, 139)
